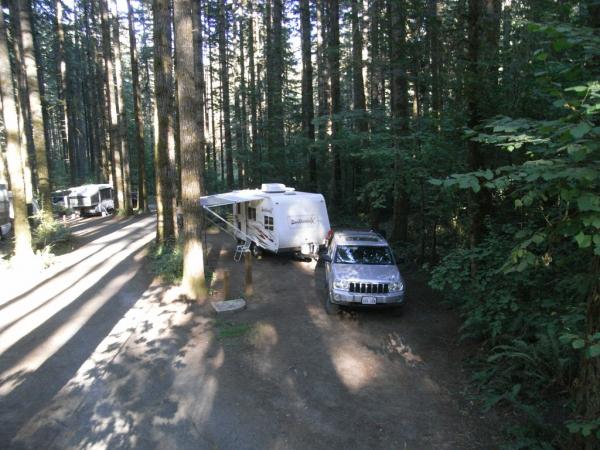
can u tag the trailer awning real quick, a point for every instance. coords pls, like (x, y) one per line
(229, 198)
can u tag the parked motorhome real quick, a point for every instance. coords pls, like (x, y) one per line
(6, 214)
(92, 199)
(275, 218)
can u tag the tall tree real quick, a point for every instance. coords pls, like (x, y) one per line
(358, 84)
(399, 110)
(433, 37)
(137, 112)
(224, 78)
(62, 88)
(482, 75)
(13, 153)
(275, 70)
(122, 162)
(253, 94)
(111, 105)
(308, 107)
(333, 61)
(35, 105)
(192, 150)
(163, 91)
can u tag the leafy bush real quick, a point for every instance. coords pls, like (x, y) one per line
(50, 233)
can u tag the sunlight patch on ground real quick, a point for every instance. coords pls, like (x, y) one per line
(355, 366)
(34, 310)
(264, 336)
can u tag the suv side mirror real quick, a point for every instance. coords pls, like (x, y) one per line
(325, 257)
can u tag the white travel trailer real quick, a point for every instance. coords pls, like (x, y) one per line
(92, 199)
(275, 218)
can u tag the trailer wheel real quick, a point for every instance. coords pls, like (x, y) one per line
(256, 250)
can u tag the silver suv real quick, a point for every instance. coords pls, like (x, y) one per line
(360, 269)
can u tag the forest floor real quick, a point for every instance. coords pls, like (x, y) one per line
(98, 354)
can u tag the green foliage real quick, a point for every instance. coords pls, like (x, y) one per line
(50, 233)
(167, 261)
(525, 300)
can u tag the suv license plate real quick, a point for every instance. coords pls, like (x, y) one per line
(369, 300)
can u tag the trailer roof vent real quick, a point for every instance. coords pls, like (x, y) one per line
(273, 187)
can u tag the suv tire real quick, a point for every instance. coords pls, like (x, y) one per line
(330, 307)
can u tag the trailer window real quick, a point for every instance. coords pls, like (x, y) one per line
(268, 223)
(251, 213)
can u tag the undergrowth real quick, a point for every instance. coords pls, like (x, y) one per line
(526, 367)
(51, 234)
(167, 261)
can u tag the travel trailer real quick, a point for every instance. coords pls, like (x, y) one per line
(6, 214)
(92, 199)
(60, 199)
(274, 218)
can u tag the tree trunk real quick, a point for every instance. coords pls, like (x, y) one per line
(192, 151)
(482, 77)
(243, 164)
(13, 153)
(137, 113)
(225, 106)
(433, 35)
(35, 105)
(358, 84)
(111, 100)
(322, 71)
(253, 97)
(61, 86)
(275, 124)
(308, 107)
(333, 60)
(22, 106)
(100, 103)
(399, 109)
(122, 116)
(163, 89)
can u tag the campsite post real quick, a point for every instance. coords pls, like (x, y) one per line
(248, 287)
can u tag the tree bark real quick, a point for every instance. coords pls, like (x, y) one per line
(163, 89)
(225, 106)
(61, 86)
(358, 83)
(482, 77)
(433, 34)
(137, 113)
(111, 100)
(123, 166)
(333, 60)
(35, 105)
(253, 96)
(192, 152)
(275, 69)
(308, 107)
(13, 153)
(399, 109)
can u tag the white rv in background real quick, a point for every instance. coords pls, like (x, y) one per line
(92, 199)
(275, 218)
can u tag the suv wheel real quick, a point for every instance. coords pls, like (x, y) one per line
(330, 307)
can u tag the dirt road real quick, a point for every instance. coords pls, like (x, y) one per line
(148, 370)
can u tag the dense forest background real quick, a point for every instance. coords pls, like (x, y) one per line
(466, 129)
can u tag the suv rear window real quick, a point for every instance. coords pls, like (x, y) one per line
(363, 254)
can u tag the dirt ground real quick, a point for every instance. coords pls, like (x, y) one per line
(281, 374)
